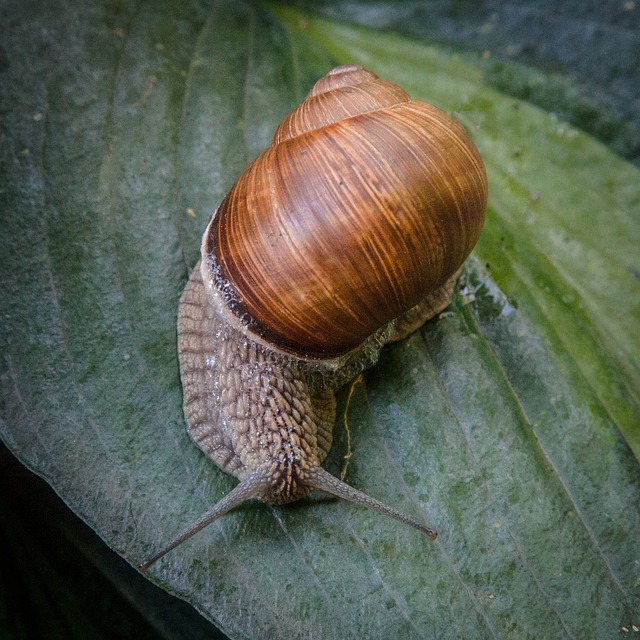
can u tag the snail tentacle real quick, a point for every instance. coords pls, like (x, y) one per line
(248, 488)
(322, 480)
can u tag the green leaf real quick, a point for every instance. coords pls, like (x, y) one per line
(499, 422)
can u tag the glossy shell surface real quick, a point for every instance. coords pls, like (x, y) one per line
(365, 202)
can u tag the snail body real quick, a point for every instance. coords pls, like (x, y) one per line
(347, 233)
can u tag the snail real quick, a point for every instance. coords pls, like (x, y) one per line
(346, 233)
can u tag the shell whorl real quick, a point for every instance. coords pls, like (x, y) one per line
(364, 203)
(345, 92)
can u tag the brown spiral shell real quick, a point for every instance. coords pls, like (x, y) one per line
(365, 202)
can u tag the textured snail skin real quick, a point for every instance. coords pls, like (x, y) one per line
(258, 400)
(250, 407)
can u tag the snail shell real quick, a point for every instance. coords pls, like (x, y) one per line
(365, 201)
(347, 232)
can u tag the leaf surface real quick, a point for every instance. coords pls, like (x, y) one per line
(499, 422)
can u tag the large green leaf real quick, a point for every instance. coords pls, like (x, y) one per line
(498, 422)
